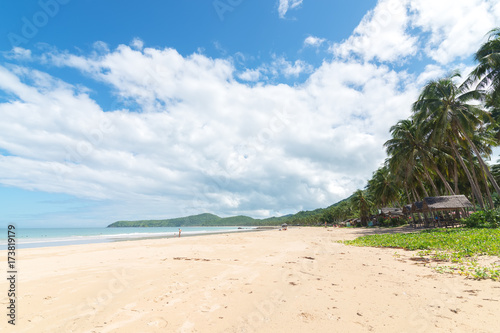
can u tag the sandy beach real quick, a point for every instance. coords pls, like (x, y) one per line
(298, 280)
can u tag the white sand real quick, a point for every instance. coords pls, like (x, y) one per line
(298, 280)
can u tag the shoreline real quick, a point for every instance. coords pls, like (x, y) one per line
(300, 280)
(99, 237)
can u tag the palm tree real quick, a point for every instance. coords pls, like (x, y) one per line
(484, 139)
(495, 170)
(444, 112)
(487, 72)
(382, 187)
(408, 148)
(361, 202)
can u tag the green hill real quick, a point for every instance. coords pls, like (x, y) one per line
(195, 220)
(313, 217)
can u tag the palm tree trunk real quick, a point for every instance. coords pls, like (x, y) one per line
(407, 194)
(423, 188)
(480, 159)
(413, 220)
(455, 176)
(487, 187)
(473, 170)
(475, 191)
(415, 196)
(434, 187)
(448, 187)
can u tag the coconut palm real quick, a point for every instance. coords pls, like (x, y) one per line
(361, 202)
(382, 187)
(495, 170)
(484, 139)
(446, 113)
(407, 148)
(487, 73)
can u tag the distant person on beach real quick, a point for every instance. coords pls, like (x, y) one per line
(180, 232)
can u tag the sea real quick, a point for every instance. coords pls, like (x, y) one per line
(47, 237)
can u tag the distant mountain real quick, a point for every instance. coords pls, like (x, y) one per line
(197, 220)
(303, 218)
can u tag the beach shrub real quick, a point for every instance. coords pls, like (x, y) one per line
(461, 247)
(483, 219)
(402, 221)
(463, 241)
(392, 221)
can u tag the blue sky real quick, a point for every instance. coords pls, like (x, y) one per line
(113, 110)
(252, 27)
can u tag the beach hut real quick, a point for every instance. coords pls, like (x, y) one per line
(395, 212)
(407, 212)
(446, 203)
(440, 207)
(417, 208)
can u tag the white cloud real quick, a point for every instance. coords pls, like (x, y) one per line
(381, 35)
(137, 44)
(434, 72)
(18, 53)
(250, 75)
(285, 5)
(431, 72)
(456, 28)
(314, 41)
(200, 140)
(101, 47)
(279, 67)
(204, 142)
(290, 69)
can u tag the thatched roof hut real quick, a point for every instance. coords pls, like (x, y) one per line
(417, 207)
(391, 211)
(407, 209)
(450, 202)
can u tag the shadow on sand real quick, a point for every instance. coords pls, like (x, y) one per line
(381, 231)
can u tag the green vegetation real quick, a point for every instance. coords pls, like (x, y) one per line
(462, 241)
(195, 220)
(441, 149)
(462, 247)
(361, 201)
(198, 220)
(483, 219)
(388, 222)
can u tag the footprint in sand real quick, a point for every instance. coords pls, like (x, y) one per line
(187, 327)
(130, 306)
(207, 308)
(158, 322)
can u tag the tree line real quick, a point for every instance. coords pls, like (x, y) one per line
(442, 147)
